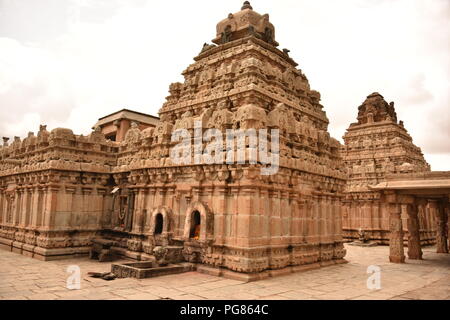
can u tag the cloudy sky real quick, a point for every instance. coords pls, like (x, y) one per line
(66, 63)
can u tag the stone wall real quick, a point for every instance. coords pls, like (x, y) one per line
(54, 189)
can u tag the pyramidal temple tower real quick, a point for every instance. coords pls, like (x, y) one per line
(58, 190)
(376, 146)
(254, 224)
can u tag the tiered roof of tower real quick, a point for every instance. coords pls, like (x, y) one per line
(378, 145)
(244, 81)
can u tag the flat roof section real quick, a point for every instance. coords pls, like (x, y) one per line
(128, 114)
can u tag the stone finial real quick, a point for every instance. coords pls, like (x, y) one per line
(378, 108)
(5, 141)
(246, 5)
(244, 23)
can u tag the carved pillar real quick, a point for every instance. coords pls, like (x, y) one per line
(338, 220)
(103, 214)
(23, 207)
(28, 207)
(139, 210)
(130, 210)
(396, 253)
(428, 222)
(295, 232)
(320, 219)
(414, 249)
(50, 206)
(352, 215)
(441, 226)
(17, 207)
(367, 219)
(2, 210)
(306, 212)
(220, 215)
(447, 210)
(315, 220)
(420, 214)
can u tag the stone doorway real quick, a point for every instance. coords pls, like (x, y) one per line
(159, 223)
(195, 225)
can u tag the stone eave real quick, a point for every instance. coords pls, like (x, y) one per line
(238, 42)
(244, 90)
(355, 127)
(412, 185)
(130, 115)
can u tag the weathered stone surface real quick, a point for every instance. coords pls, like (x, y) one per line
(59, 190)
(376, 146)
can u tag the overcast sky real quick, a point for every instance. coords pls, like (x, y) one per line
(66, 63)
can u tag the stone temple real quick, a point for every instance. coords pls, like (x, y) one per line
(60, 192)
(376, 146)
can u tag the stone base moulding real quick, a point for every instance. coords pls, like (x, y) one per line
(249, 277)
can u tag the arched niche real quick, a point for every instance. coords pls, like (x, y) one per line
(195, 210)
(161, 221)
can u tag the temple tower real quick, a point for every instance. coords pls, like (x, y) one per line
(376, 146)
(249, 225)
(269, 203)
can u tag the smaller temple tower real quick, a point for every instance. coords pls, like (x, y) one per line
(377, 145)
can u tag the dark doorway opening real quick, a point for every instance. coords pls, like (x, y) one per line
(159, 221)
(195, 225)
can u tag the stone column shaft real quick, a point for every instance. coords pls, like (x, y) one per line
(396, 253)
(441, 226)
(414, 249)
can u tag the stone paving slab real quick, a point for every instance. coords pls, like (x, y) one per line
(23, 278)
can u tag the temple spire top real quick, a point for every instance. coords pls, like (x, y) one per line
(243, 24)
(246, 5)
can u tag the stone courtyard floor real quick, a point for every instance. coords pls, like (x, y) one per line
(25, 278)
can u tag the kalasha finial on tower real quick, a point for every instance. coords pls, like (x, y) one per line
(246, 6)
(245, 23)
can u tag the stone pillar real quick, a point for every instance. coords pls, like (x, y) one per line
(420, 214)
(430, 222)
(396, 253)
(414, 249)
(138, 221)
(17, 212)
(447, 211)
(2, 210)
(441, 226)
(122, 130)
